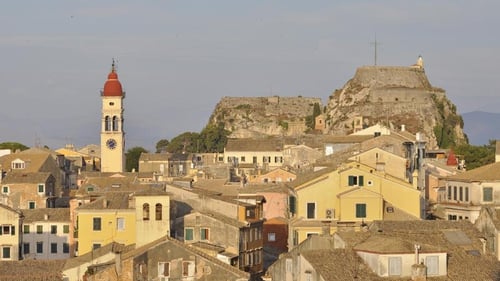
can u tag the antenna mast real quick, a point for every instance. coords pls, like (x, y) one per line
(375, 44)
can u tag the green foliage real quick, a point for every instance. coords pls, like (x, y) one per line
(132, 158)
(213, 138)
(243, 106)
(284, 125)
(186, 142)
(476, 156)
(445, 129)
(161, 145)
(311, 119)
(13, 146)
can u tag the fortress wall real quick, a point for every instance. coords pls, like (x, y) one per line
(409, 77)
(274, 105)
(400, 95)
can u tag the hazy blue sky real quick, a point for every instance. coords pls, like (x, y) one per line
(177, 59)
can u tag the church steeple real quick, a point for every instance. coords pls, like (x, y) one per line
(112, 133)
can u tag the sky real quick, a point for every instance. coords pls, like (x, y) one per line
(177, 59)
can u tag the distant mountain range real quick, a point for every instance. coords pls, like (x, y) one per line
(481, 127)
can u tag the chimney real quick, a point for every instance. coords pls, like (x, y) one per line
(46, 217)
(104, 203)
(403, 128)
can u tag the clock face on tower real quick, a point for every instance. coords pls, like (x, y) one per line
(111, 143)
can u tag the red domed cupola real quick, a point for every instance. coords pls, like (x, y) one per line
(112, 87)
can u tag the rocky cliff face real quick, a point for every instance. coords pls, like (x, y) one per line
(395, 96)
(264, 116)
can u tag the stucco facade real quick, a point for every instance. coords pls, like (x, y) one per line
(10, 239)
(352, 194)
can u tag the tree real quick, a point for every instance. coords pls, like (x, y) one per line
(13, 146)
(132, 158)
(476, 156)
(184, 143)
(161, 145)
(311, 119)
(213, 138)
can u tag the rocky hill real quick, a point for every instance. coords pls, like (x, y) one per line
(264, 116)
(395, 96)
(390, 95)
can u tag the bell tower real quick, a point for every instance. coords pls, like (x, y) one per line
(112, 134)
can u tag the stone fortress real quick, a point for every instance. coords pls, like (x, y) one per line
(395, 96)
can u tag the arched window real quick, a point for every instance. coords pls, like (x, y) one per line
(115, 123)
(145, 212)
(158, 209)
(107, 124)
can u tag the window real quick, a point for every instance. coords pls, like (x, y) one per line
(308, 276)
(461, 193)
(96, 246)
(250, 213)
(449, 192)
(65, 248)
(41, 188)
(39, 229)
(188, 236)
(107, 124)
(18, 164)
(26, 229)
(487, 194)
(361, 210)
(96, 224)
(120, 224)
(466, 194)
(39, 247)
(163, 269)
(53, 229)
(395, 266)
(291, 204)
(271, 237)
(242, 159)
(454, 193)
(288, 265)
(355, 180)
(53, 248)
(66, 228)
(432, 264)
(145, 212)
(115, 123)
(26, 248)
(158, 211)
(254, 160)
(187, 268)
(278, 159)
(5, 189)
(31, 205)
(7, 229)
(5, 252)
(204, 234)
(311, 210)
(452, 217)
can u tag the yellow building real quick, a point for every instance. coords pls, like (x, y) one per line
(349, 196)
(123, 217)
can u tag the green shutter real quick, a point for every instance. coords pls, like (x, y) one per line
(360, 179)
(189, 234)
(351, 180)
(292, 203)
(360, 210)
